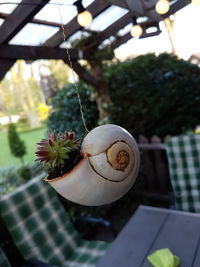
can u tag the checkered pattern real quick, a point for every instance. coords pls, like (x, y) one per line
(184, 166)
(41, 229)
(3, 259)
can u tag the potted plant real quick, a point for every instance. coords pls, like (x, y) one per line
(60, 153)
(96, 172)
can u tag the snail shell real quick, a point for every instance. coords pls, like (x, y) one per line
(108, 170)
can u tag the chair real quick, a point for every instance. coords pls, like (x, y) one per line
(42, 230)
(184, 165)
(3, 259)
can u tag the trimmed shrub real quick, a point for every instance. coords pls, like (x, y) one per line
(150, 95)
(155, 95)
(66, 114)
(17, 146)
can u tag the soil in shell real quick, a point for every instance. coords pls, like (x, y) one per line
(74, 158)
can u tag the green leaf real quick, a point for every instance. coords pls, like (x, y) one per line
(163, 258)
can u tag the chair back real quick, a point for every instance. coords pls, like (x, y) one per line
(38, 223)
(184, 165)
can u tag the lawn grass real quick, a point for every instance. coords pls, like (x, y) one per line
(30, 138)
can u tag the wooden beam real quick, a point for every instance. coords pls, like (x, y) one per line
(119, 24)
(139, 8)
(120, 3)
(174, 7)
(113, 28)
(5, 65)
(136, 6)
(71, 27)
(83, 73)
(121, 40)
(14, 23)
(15, 52)
(147, 8)
(18, 18)
(116, 26)
(110, 30)
(179, 4)
(35, 21)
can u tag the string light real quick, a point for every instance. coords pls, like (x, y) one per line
(162, 7)
(84, 17)
(136, 30)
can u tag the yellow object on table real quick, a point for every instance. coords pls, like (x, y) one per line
(164, 258)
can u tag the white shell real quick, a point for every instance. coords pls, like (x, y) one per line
(108, 170)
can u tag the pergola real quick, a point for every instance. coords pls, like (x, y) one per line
(26, 12)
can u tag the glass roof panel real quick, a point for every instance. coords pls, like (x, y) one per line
(53, 12)
(71, 42)
(142, 19)
(107, 42)
(7, 6)
(125, 30)
(33, 34)
(107, 17)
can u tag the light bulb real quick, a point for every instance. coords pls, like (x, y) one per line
(162, 7)
(136, 31)
(84, 18)
(196, 2)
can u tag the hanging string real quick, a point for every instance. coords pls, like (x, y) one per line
(73, 73)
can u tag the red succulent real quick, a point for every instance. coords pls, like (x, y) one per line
(55, 149)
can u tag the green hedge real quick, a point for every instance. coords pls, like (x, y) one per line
(150, 95)
(66, 114)
(155, 95)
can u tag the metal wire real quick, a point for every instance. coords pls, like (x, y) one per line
(67, 51)
(73, 73)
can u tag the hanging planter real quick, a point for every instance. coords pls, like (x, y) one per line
(103, 168)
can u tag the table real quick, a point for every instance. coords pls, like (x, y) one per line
(150, 229)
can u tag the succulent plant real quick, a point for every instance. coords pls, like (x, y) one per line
(54, 150)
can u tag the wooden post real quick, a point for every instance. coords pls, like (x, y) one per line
(148, 168)
(96, 79)
(161, 170)
(102, 96)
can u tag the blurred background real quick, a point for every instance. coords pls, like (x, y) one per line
(150, 86)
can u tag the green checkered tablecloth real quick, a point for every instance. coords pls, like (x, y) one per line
(3, 259)
(41, 228)
(184, 165)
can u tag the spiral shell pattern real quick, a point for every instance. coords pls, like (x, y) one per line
(113, 155)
